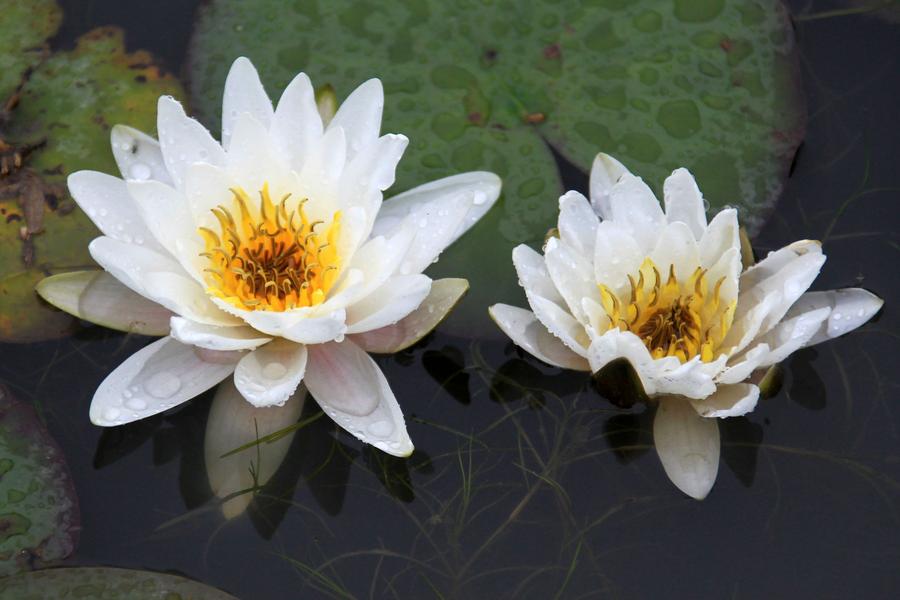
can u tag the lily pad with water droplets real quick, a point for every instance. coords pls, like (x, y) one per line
(24, 28)
(67, 107)
(106, 583)
(706, 84)
(39, 518)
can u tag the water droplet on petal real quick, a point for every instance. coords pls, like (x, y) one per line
(479, 198)
(136, 404)
(111, 413)
(380, 428)
(139, 171)
(162, 385)
(274, 370)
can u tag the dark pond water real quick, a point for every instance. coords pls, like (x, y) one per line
(525, 483)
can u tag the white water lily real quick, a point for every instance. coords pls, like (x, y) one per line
(665, 290)
(268, 256)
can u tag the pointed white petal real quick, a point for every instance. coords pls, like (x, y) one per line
(213, 337)
(742, 367)
(352, 390)
(636, 209)
(478, 190)
(380, 257)
(684, 202)
(616, 255)
(166, 214)
(98, 297)
(444, 295)
(850, 308)
(777, 260)
(268, 375)
(676, 246)
(571, 275)
(392, 301)
(321, 174)
(533, 275)
(244, 94)
(105, 199)
(526, 331)
(138, 155)
(560, 323)
(577, 224)
(720, 237)
(253, 161)
(296, 126)
(153, 379)
(360, 116)
(370, 172)
(605, 173)
(234, 422)
(793, 333)
(183, 140)
(728, 401)
(687, 445)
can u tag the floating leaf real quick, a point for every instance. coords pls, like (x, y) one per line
(39, 519)
(67, 107)
(23, 30)
(106, 583)
(709, 84)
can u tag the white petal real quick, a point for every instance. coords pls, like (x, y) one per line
(360, 116)
(98, 297)
(298, 325)
(526, 331)
(571, 275)
(370, 172)
(684, 202)
(687, 445)
(478, 190)
(268, 375)
(605, 173)
(728, 401)
(213, 337)
(634, 208)
(138, 155)
(184, 141)
(105, 199)
(777, 260)
(253, 161)
(153, 379)
(533, 275)
(793, 333)
(392, 301)
(296, 127)
(166, 213)
(244, 94)
(577, 224)
(850, 308)
(234, 422)
(380, 257)
(352, 390)
(616, 255)
(444, 295)
(560, 323)
(743, 367)
(676, 246)
(721, 236)
(321, 174)
(436, 226)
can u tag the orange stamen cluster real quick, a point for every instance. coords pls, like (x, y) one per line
(676, 318)
(270, 258)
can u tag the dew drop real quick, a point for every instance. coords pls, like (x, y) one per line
(139, 171)
(136, 404)
(861, 313)
(423, 223)
(103, 212)
(111, 413)
(274, 370)
(162, 385)
(479, 198)
(837, 316)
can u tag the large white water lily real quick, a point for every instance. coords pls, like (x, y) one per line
(267, 256)
(663, 288)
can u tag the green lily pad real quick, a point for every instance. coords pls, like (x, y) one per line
(39, 518)
(707, 84)
(24, 28)
(105, 583)
(67, 107)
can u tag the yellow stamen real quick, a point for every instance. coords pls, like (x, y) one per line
(271, 257)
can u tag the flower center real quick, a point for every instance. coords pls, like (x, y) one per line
(676, 318)
(270, 258)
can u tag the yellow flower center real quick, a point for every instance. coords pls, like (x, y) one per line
(270, 258)
(676, 318)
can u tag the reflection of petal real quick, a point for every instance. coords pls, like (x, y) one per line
(233, 422)
(155, 378)
(687, 445)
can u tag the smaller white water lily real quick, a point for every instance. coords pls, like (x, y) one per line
(268, 256)
(665, 290)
